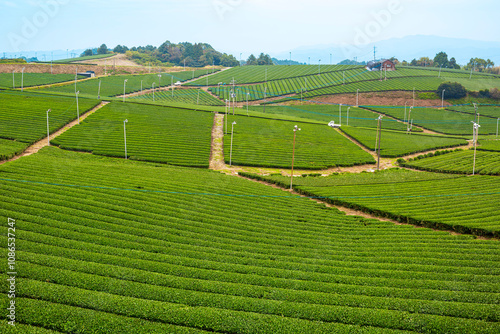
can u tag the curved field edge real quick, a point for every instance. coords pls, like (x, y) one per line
(481, 232)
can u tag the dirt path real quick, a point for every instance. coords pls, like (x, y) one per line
(217, 151)
(44, 142)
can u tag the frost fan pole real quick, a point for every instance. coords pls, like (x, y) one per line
(379, 138)
(295, 129)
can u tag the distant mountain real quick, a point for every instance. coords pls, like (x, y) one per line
(406, 48)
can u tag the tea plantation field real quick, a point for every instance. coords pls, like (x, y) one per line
(269, 143)
(10, 148)
(461, 162)
(441, 120)
(396, 144)
(482, 110)
(23, 117)
(191, 96)
(325, 113)
(159, 134)
(459, 203)
(112, 246)
(257, 73)
(114, 85)
(8, 80)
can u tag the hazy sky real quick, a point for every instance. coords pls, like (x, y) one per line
(236, 26)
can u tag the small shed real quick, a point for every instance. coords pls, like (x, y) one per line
(381, 65)
(88, 74)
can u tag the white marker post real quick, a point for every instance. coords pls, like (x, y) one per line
(295, 129)
(77, 107)
(231, 151)
(48, 131)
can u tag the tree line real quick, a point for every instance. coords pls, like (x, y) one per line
(171, 54)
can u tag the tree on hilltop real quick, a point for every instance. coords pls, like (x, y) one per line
(102, 50)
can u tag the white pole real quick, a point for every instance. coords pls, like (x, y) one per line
(48, 132)
(404, 118)
(295, 129)
(125, 136)
(226, 114)
(379, 139)
(348, 115)
(476, 132)
(442, 99)
(124, 83)
(22, 80)
(357, 98)
(231, 151)
(340, 114)
(77, 107)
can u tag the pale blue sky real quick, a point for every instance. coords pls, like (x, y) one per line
(236, 26)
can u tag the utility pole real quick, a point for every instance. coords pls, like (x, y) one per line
(295, 129)
(374, 53)
(379, 138)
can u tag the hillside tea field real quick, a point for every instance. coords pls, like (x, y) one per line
(114, 85)
(396, 144)
(14, 81)
(114, 246)
(23, 116)
(461, 162)
(269, 143)
(452, 202)
(158, 134)
(440, 120)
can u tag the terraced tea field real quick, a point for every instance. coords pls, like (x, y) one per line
(14, 81)
(269, 143)
(325, 113)
(23, 116)
(115, 85)
(114, 246)
(397, 144)
(459, 203)
(257, 73)
(158, 134)
(461, 162)
(10, 148)
(330, 81)
(440, 120)
(191, 96)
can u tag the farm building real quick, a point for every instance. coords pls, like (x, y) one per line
(381, 65)
(88, 74)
